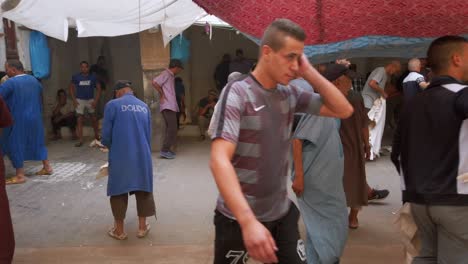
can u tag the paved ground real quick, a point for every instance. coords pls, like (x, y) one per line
(63, 218)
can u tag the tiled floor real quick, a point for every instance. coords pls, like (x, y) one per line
(63, 218)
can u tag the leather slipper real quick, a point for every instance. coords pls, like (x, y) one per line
(143, 233)
(112, 234)
(43, 172)
(14, 180)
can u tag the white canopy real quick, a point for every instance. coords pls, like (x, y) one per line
(212, 20)
(105, 17)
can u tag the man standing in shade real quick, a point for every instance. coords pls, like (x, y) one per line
(82, 89)
(222, 72)
(164, 84)
(206, 107)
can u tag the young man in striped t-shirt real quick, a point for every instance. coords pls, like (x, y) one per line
(251, 129)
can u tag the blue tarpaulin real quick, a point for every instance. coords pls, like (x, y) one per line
(180, 48)
(40, 55)
(367, 47)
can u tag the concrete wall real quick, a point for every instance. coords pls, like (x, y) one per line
(155, 58)
(122, 59)
(205, 56)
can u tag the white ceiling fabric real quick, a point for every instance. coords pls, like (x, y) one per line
(105, 17)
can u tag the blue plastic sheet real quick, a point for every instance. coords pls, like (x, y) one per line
(367, 47)
(40, 55)
(180, 48)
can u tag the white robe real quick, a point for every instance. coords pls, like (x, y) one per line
(377, 114)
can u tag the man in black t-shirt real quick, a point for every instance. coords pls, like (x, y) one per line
(99, 69)
(180, 98)
(205, 111)
(222, 72)
(430, 149)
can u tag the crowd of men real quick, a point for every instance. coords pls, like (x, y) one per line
(252, 125)
(250, 131)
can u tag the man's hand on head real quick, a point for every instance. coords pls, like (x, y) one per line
(304, 65)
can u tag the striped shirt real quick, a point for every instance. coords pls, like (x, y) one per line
(258, 121)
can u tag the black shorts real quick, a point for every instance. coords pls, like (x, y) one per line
(229, 245)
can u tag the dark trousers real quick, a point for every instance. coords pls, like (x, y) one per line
(229, 245)
(178, 119)
(170, 119)
(69, 121)
(7, 238)
(144, 201)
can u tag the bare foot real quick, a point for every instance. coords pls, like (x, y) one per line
(353, 223)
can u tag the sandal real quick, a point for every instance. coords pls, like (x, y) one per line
(43, 172)
(14, 180)
(112, 234)
(143, 233)
(378, 194)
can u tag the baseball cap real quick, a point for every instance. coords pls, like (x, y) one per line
(175, 63)
(335, 71)
(122, 84)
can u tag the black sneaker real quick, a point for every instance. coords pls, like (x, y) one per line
(378, 194)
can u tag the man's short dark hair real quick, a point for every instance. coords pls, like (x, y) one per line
(61, 91)
(15, 64)
(441, 50)
(276, 32)
(226, 57)
(84, 62)
(175, 63)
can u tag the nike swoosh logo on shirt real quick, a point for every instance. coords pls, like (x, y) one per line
(259, 108)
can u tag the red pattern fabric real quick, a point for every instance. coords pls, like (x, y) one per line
(328, 21)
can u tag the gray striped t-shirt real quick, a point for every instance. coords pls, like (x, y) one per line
(259, 121)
